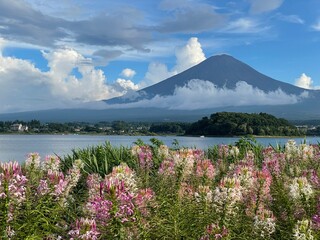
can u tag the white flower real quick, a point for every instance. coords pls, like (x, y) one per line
(234, 151)
(227, 195)
(302, 231)
(300, 188)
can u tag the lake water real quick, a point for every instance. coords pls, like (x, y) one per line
(16, 147)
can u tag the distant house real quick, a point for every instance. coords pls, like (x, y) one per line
(18, 127)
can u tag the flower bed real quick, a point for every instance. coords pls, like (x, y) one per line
(231, 192)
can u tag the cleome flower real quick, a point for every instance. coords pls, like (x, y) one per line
(125, 174)
(33, 160)
(227, 195)
(300, 188)
(234, 152)
(203, 193)
(223, 151)
(305, 152)
(302, 230)
(12, 183)
(264, 223)
(84, 229)
(163, 151)
(291, 149)
(144, 155)
(214, 231)
(51, 162)
(205, 169)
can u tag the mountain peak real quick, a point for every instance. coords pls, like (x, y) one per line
(224, 71)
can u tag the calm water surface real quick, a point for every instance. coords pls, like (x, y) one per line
(16, 147)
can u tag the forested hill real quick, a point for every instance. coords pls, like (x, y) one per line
(237, 124)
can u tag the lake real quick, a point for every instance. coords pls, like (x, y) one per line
(16, 147)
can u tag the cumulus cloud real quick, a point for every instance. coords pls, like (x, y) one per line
(128, 73)
(306, 82)
(204, 95)
(70, 81)
(123, 85)
(261, 6)
(187, 56)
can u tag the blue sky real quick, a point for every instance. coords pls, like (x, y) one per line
(62, 53)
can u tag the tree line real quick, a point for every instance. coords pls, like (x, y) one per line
(238, 124)
(218, 124)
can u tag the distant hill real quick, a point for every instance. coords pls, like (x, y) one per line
(237, 124)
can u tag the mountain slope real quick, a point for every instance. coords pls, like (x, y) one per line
(223, 71)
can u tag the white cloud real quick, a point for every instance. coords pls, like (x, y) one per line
(316, 26)
(2, 44)
(261, 6)
(306, 82)
(290, 18)
(187, 56)
(71, 80)
(128, 73)
(124, 85)
(204, 94)
(156, 73)
(244, 25)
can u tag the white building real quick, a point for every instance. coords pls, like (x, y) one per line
(19, 127)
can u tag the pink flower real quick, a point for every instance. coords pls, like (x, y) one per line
(214, 231)
(85, 229)
(43, 187)
(15, 181)
(167, 167)
(316, 222)
(223, 151)
(205, 168)
(100, 208)
(59, 188)
(145, 157)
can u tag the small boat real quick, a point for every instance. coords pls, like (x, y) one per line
(202, 136)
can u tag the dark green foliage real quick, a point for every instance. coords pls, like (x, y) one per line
(169, 128)
(240, 124)
(99, 159)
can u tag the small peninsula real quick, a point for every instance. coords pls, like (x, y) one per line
(240, 124)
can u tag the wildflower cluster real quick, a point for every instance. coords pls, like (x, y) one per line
(231, 193)
(42, 190)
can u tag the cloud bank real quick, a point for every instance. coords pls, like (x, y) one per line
(201, 94)
(71, 80)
